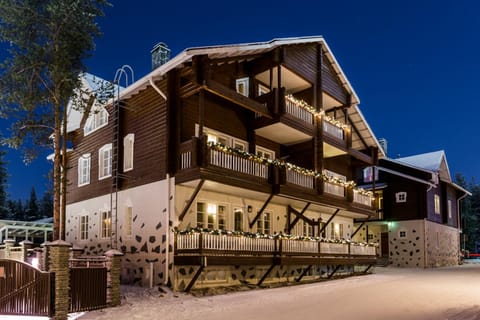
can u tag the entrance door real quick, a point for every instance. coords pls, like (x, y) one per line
(384, 244)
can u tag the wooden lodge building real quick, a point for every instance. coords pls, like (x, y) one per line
(418, 221)
(226, 165)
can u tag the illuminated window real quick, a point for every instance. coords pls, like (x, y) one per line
(211, 216)
(238, 219)
(437, 203)
(96, 120)
(449, 208)
(128, 141)
(84, 227)
(242, 86)
(105, 161)
(106, 224)
(263, 223)
(84, 170)
(221, 217)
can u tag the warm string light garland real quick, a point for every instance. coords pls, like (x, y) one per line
(256, 235)
(321, 114)
(289, 166)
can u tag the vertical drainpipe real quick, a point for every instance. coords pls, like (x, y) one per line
(425, 243)
(167, 225)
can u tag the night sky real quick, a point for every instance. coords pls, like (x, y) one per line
(414, 64)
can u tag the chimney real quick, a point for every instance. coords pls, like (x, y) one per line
(160, 55)
(384, 144)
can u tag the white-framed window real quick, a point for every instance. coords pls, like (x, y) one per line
(222, 138)
(368, 174)
(401, 197)
(264, 223)
(211, 215)
(402, 234)
(106, 224)
(242, 86)
(449, 208)
(128, 221)
(238, 219)
(264, 152)
(84, 169)
(128, 141)
(96, 120)
(436, 199)
(307, 229)
(336, 231)
(105, 161)
(84, 227)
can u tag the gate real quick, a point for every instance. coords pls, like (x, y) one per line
(25, 290)
(88, 285)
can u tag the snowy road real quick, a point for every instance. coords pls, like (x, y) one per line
(390, 293)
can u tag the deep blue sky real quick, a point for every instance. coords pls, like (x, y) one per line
(414, 64)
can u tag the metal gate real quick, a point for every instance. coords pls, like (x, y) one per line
(25, 290)
(88, 288)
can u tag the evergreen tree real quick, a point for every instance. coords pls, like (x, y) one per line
(46, 205)
(32, 211)
(4, 210)
(48, 42)
(470, 214)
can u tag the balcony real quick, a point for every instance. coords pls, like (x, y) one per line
(201, 160)
(236, 248)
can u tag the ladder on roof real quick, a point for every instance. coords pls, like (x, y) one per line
(115, 156)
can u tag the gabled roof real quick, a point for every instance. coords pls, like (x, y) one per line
(235, 50)
(434, 161)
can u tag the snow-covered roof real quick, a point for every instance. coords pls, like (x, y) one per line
(434, 161)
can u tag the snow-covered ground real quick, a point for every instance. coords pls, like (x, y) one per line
(389, 293)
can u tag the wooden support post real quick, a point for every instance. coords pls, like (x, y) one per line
(333, 272)
(368, 268)
(194, 279)
(305, 271)
(328, 221)
(265, 275)
(358, 229)
(259, 213)
(190, 201)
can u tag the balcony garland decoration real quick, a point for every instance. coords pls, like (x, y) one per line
(257, 235)
(321, 114)
(279, 163)
(364, 192)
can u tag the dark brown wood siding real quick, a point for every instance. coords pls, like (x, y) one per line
(415, 205)
(145, 117)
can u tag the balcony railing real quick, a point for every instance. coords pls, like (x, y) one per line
(229, 244)
(333, 130)
(361, 198)
(300, 179)
(237, 163)
(333, 189)
(293, 108)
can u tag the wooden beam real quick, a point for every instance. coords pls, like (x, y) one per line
(328, 221)
(368, 268)
(359, 227)
(333, 272)
(259, 213)
(298, 216)
(190, 201)
(303, 273)
(266, 274)
(194, 279)
(357, 132)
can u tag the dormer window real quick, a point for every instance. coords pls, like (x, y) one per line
(95, 121)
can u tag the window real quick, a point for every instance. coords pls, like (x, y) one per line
(211, 216)
(105, 161)
(83, 227)
(263, 223)
(368, 174)
(449, 208)
(96, 120)
(242, 86)
(106, 224)
(84, 170)
(127, 226)
(307, 229)
(262, 90)
(265, 153)
(336, 231)
(238, 219)
(402, 234)
(436, 199)
(324, 231)
(401, 197)
(226, 140)
(128, 152)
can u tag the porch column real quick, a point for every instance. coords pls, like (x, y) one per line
(9, 243)
(59, 254)
(26, 245)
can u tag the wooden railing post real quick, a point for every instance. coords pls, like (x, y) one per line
(26, 245)
(9, 243)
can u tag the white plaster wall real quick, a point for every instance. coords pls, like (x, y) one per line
(147, 246)
(407, 251)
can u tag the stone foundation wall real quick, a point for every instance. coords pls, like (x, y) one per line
(443, 245)
(407, 243)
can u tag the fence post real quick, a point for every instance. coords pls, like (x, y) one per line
(26, 245)
(113, 277)
(9, 243)
(58, 256)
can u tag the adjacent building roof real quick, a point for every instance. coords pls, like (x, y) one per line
(434, 161)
